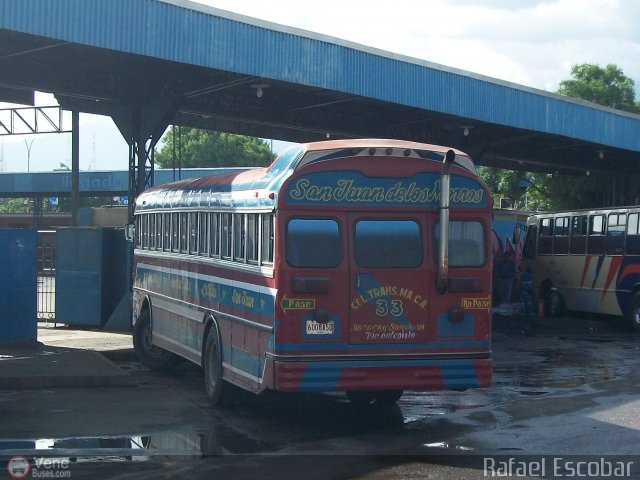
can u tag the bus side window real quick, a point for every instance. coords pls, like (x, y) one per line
(561, 236)
(138, 231)
(578, 242)
(595, 242)
(159, 230)
(633, 235)
(175, 232)
(266, 250)
(616, 227)
(529, 249)
(545, 242)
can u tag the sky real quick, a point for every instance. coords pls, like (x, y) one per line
(527, 42)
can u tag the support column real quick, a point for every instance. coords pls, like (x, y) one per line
(142, 126)
(141, 168)
(75, 166)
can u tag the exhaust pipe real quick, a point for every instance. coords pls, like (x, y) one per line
(443, 250)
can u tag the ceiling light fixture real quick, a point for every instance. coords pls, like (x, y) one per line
(260, 88)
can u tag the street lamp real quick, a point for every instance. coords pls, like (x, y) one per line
(28, 145)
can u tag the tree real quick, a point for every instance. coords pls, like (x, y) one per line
(193, 148)
(12, 205)
(527, 191)
(607, 86)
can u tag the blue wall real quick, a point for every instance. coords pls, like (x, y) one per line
(18, 287)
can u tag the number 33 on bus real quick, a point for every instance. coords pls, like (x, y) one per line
(360, 266)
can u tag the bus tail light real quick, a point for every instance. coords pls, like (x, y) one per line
(461, 285)
(310, 285)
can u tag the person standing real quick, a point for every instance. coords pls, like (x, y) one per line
(526, 291)
(506, 276)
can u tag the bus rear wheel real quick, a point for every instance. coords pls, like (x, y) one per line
(634, 312)
(218, 390)
(154, 357)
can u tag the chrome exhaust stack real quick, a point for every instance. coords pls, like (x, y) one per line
(443, 250)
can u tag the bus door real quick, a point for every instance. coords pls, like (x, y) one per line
(315, 294)
(390, 279)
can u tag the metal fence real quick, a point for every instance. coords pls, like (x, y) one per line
(46, 256)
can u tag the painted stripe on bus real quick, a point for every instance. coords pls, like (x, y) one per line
(206, 290)
(210, 278)
(327, 375)
(290, 347)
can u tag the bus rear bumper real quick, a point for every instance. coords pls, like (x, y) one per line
(350, 375)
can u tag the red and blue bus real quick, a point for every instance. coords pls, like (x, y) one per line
(587, 261)
(361, 266)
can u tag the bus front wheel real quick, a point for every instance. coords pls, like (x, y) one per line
(154, 357)
(218, 390)
(634, 313)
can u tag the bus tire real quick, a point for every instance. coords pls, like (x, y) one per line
(219, 391)
(154, 357)
(634, 312)
(387, 397)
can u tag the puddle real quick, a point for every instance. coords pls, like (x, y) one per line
(561, 368)
(218, 440)
(448, 446)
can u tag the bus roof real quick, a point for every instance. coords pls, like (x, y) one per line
(584, 211)
(257, 187)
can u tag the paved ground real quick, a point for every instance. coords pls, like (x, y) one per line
(65, 357)
(561, 386)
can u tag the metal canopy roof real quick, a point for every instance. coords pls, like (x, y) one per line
(198, 66)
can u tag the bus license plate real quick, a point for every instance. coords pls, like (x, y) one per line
(316, 328)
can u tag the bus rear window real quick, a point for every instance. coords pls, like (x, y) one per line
(466, 243)
(313, 243)
(388, 244)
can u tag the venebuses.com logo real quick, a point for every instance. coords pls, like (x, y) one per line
(19, 467)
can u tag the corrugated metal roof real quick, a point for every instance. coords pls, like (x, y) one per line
(187, 32)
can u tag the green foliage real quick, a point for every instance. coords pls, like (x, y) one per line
(571, 192)
(12, 205)
(193, 148)
(28, 205)
(606, 86)
(527, 191)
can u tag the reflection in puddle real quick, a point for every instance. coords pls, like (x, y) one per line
(448, 446)
(217, 440)
(560, 368)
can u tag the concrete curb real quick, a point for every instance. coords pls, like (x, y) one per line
(57, 368)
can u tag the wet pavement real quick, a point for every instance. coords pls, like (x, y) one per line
(560, 387)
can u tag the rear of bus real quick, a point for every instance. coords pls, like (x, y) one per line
(357, 307)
